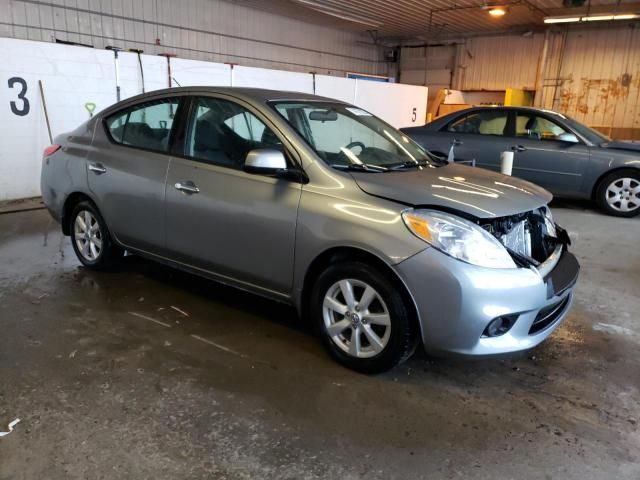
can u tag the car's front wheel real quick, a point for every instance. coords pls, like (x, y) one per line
(90, 237)
(362, 318)
(619, 193)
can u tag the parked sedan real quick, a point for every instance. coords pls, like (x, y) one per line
(554, 151)
(319, 204)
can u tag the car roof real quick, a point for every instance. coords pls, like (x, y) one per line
(255, 94)
(503, 107)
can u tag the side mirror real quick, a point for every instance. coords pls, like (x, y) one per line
(265, 161)
(568, 137)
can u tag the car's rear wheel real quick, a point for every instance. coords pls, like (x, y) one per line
(91, 239)
(362, 318)
(619, 193)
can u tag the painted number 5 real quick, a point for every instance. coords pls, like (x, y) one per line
(414, 114)
(24, 105)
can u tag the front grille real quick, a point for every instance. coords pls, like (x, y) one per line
(548, 315)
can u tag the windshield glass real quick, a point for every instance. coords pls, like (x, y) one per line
(345, 136)
(590, 134)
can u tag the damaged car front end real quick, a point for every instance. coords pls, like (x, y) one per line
(508, 295)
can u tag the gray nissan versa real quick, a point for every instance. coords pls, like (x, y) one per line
(319, 204)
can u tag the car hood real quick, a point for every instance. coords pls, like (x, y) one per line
(629, 145)
(477, 192)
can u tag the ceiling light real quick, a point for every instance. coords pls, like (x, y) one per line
(597, 18)
(592, 18)
(497, 11)
(561, 19)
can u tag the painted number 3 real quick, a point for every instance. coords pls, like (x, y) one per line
(22, 107)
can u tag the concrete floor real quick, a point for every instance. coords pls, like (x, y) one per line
(111, 381)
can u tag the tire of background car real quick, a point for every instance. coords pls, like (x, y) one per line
(362, 318)
(91, 239)
(618, 193)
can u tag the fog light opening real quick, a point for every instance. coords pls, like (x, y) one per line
(499, 326)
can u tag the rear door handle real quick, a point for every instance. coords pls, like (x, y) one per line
(97, 168)
(519, 148)
(187, 187)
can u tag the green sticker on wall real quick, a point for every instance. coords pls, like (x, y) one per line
(91, 107)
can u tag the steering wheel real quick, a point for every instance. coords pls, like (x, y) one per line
(355, 144)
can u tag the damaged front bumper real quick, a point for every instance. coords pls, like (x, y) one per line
(457, 301)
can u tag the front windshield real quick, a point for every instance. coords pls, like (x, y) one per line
(345, 136)
(590, 134)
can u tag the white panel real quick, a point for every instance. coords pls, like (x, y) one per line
(336, 87)
(272, 79)
(400, 105)
(195, 72)
(71, 77)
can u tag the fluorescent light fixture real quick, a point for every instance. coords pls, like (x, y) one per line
(497, 11)
(597, 18)
(593, 18)
(561, 19)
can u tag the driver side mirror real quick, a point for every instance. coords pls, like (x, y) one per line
(568, 137)
(265, 161)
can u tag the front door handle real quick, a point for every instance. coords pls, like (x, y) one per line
(519, 148)
(187, 187)
(97, 168)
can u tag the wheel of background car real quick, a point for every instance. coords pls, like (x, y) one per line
(91, 239)
(362, 318)
(619, 193)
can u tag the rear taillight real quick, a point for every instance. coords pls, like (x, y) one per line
(50, 150)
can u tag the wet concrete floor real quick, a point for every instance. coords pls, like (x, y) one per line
(147, 372)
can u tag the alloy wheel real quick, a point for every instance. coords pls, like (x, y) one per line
(356, 318)
(87, 235)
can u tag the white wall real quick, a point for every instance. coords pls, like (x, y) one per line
(213, 30)
(73, 76)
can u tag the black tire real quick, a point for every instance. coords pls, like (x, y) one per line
(603, 197)
(108, 253)
(402, 340)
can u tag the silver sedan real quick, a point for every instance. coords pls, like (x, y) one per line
(319, 204)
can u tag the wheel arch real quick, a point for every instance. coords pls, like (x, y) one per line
(598, 182)
(339, 254)
(71, 200)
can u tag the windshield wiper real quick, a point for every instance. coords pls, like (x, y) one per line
(360, 167)
(409, 164)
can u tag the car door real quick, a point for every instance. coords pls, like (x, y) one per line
(548, 153)
(221, 219)
(127, 169)
(479, 135)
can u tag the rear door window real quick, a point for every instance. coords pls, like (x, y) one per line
(146, 125)
(487, 122)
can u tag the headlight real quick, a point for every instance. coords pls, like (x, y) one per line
(458, 237)
(549, 223)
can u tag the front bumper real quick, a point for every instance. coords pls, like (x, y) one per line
(456, 301)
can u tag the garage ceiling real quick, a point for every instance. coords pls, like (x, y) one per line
(428, 19)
